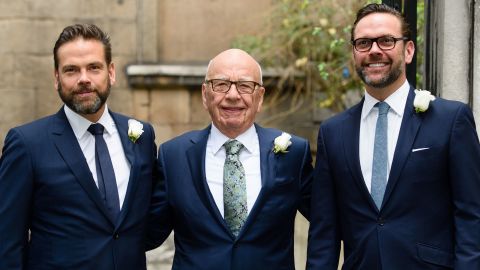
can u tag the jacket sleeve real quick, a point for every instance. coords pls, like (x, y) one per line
(306, 177)
(464, 168)
(323, 237)
(16, 187)
(160, 220)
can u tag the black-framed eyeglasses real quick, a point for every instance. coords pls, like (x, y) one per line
(385, 43)
(223, 86)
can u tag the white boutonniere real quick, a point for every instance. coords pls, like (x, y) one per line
(135, 130)
(422, 100)
(281, 143)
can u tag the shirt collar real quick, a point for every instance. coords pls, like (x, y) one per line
(80, 124)
(396, 101)
(249, 139)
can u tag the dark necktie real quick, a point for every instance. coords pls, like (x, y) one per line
(105, 174)
(234, 188)
(380, 155)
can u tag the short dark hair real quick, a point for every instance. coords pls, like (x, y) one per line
(382, 8)
(87, 32)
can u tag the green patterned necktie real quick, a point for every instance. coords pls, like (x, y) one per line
(234, 188)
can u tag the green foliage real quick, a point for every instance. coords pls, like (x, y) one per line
(310, 41)
(310, 38)
(419, 50)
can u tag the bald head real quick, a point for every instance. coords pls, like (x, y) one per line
(234, 58)
(233, 111)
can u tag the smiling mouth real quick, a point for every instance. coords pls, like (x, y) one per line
(232, 110)
(374, 65)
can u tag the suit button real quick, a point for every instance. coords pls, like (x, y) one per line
(381, 221)
(116, 236)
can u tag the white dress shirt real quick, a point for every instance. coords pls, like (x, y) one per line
(86, 140)
(368, 122)
(249, 156)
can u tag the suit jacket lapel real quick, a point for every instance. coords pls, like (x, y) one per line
(68, 147)
(351, 132)
(267, 171)
(196, 161)
(408, 131)
(129, 150)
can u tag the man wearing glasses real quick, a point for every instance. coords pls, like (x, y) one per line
(397, 176)
(231, 191)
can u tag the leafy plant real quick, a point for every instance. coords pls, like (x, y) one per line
(308, 44)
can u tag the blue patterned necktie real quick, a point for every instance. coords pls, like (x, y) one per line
(234, 188)
(380, 155)
(105, 174)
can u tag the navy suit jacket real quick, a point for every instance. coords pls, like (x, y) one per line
(430, 215)
(46, 187)
(202, 238)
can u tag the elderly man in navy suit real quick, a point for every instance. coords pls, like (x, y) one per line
(75, 187)
(232, 190)
(397, 176)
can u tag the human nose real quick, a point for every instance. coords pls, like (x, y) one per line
(231, 93)
(84, 78)
(375, 48)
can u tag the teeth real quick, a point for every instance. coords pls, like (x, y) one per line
(377, 65)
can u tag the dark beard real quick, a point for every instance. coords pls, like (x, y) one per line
(81, 108)
(390, 78)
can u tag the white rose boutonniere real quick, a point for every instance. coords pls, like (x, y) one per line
(422, 100)
(281, 143)
(135, 130)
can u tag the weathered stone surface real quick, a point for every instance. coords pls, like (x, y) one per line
(198, 30)
(141, 104)
(120, 100)
(199, 113)
(13, 9)
(146, 32)
(7, 70)
(161, 257)
(46, 102)
(170, 106)
(123, 38)
(16, 108)
(33, 72)
(120, 63)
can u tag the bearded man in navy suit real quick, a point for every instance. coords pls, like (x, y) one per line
(75, 187)
(231, 191)
(397, 176)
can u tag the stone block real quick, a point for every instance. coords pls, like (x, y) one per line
(27, 36)
(220, 23)
(163, 133)
(121, 63)
(16, 107)
(13, 9)
(170, 106)
(141, 104)
(124, 9)
(301, 241)
(123, 38)
(161, 258)
(61, 9)
(7, 70)
(46, 102)
(147, 34)
(33, 72)
(120, 100)
(199, 113)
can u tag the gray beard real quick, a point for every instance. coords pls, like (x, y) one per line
(81, 108)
